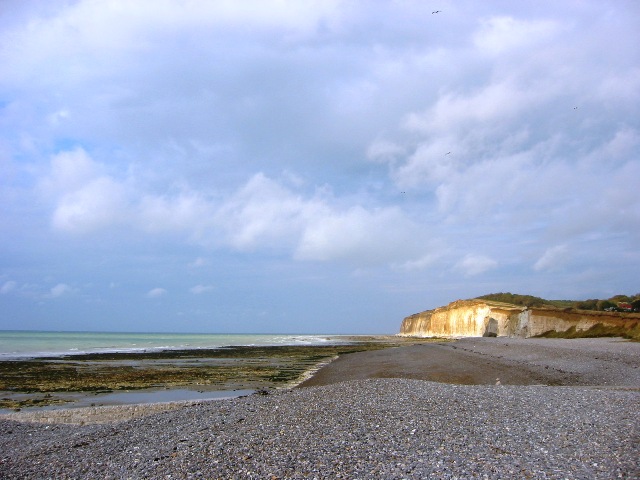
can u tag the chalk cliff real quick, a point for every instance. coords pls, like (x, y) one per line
(477, 318)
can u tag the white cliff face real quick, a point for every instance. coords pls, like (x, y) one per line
(477, 318)
(543, 320)
(464, 318)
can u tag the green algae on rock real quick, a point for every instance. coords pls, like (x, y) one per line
(227, 368)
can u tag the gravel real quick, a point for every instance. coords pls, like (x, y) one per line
(374, 428)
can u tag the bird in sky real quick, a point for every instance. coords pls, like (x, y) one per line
(447, 153)
(437, 11)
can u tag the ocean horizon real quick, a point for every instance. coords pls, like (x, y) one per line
(34, 343)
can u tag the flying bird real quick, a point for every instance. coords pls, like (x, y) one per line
(447, 153)
(437, 11)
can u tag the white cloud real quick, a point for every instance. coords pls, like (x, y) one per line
(421, 263)
(472, 265)
(198, 289)
(499, 35)
(263, 214)
(486, 115)
(490, 107)
(620, 146)
(430, 164)
(286, 131)
(70, 170)
(8, 286)
(183, 212)
(156, 292)
(114, 29)
(59, 290)
(519, 155)
(86, 199)
(553, 258)
(361, 236)
(102, 203)
(384, 151)
(620, 87)
(198, 262)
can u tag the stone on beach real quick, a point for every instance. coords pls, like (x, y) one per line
(376, 427)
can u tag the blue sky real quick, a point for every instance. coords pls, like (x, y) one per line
(312, 166)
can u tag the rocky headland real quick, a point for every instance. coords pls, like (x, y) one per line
(488, 318)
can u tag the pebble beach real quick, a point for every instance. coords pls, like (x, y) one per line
(377, 425)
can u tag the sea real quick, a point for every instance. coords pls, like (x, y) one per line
(16, 344)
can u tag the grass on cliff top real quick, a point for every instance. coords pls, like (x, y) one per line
(591, 304)
(597, 330)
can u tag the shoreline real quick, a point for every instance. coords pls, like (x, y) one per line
(600, 363)
(95, 379)
(29, 352)
(372, 418)
(94, 410)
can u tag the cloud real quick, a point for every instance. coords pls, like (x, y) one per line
(99, 204)
(509, 150)
(384, 151)
(262, 214)
(318, 138)
(59, 290)
(86, 199)
(8, 286)
(361, 236)
(186, 211)
(110, 30)
(198, 262)
(70, 170)
(498, 101)
(421, 263)
(553, 258)
(156, 292)
(199, 289)
(500, 34)
(472, 265)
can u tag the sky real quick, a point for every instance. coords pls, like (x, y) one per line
(281, 166)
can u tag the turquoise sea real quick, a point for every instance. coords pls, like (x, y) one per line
(33, 344)
(21, 344)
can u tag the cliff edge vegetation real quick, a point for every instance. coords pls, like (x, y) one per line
(617, 303)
